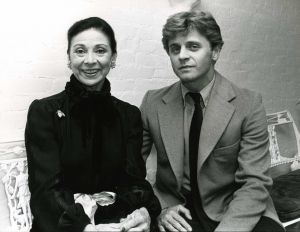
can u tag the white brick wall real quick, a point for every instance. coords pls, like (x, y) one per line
(262, 48)
(261, 52)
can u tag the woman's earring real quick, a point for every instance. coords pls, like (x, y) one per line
(113, 64)
(69, 64)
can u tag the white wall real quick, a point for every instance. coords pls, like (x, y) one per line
(262, 48)
(261, 51)
(34, 61)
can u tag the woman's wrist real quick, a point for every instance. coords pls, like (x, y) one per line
(89, 227)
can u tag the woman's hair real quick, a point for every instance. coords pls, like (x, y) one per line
(96, 23)
(184, 22)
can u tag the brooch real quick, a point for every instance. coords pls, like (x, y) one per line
(60, 114)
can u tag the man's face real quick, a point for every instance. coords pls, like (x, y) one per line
(192, 58)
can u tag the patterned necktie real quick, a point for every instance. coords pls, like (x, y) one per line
(194, 137)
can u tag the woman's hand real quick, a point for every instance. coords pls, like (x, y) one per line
(103, 227)
(138, 220)
(89, 227)
(109, 227)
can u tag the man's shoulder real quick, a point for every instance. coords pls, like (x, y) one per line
(245, 95)
(241, 92)
(246, 102)
(158, 94)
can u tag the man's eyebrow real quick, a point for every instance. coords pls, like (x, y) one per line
(193, 41)
(173, 44)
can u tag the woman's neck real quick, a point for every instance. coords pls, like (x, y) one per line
(98, 87)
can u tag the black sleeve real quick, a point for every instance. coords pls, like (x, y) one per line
(138, 192)
(52, 205)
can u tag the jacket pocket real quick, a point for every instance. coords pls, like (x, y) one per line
(225, 158)
(232, 148)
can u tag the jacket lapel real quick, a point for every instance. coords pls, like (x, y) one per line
(170, 115)
(217, 116)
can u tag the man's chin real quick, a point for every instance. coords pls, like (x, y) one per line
(187, 79)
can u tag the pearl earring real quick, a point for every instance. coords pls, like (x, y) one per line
(113, 64)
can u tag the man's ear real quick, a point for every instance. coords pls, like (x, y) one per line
(215, 53)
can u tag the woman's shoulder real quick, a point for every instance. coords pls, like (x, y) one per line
(50, 103)
(125, 107)
(123, 104)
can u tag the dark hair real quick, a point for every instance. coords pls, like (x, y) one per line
(184, 22)
(93, 22)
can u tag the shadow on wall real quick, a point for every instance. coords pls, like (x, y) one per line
(184, 4)
(297, 112)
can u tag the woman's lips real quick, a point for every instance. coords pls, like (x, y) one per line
(90, 71)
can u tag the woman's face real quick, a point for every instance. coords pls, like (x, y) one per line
(91, 57)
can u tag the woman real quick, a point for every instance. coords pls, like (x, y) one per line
(83, 141)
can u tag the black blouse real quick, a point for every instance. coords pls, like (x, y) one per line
(80, 141)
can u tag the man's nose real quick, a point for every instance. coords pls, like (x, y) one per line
(183, 55)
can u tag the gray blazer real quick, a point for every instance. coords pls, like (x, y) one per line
(233, 156)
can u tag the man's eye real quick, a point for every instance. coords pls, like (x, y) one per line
(174, 50)
(194, 47)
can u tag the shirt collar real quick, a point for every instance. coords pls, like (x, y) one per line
(205, 92)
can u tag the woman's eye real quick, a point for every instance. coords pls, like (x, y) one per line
(100, 51)
(80, 51)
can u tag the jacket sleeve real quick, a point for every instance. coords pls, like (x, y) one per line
(140, 192)
(147, 139)
(250, 201)
(52, 205)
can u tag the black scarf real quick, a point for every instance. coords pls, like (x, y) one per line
(86, 105)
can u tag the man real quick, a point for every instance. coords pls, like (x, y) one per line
(211, 138)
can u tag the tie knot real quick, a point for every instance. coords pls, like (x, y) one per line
(197, 98)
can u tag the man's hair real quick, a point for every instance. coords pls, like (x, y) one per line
(184, 22)
(96, 23)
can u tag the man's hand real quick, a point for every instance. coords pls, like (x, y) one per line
(172, 219)
(138, 220)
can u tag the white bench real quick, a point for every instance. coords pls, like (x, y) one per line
(15, 213)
